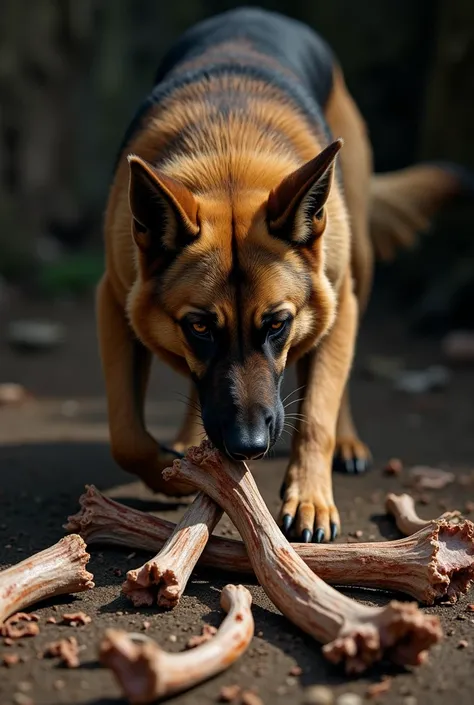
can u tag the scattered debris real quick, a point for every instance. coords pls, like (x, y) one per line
(410, 700)
(463, 644)
(318, 695)
(434, 378)
(69, 408)
(9, 660)
(207, 633)
(74, 619)
(295, 671)
(229, 693)
(51, 620)
(22, 699)
(20, 625)
(250, 698)
(379, 367)
(12, 394)
(458, 347)
(376, 689)
(349, 699)
(35, 335)
(393, 467)
(66, 649)
(427, 478)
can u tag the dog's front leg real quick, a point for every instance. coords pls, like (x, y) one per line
(308, 503)
(126, 366)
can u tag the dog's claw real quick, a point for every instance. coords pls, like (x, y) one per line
(319, 536)
(333, 531)
(286, 523)
(306, 536)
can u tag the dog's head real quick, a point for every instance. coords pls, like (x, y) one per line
(230, 287)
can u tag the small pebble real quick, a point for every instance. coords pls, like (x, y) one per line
(131, 555)
(349, 699)
(318, 695)
(469, 507)
(470, 608)
(291, 681)
(260, 634)
(463, 644)
(229, 693)
(119, 614)
(410, 700)
(10, 660)
(295, 671)
(59, 684)
(250, 698)
(51, 620)
(393, 467)
(146, 625)
(25, 686)
(173, 638)
(22, 699)
(380, 688)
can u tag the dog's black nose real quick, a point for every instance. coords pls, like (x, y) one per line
(248, 442)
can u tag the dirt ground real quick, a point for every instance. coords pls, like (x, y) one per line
(52, 446)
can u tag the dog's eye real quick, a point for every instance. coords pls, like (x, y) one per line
(200, 328)
(276, 325)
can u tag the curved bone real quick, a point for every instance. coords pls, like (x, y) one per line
(353, 633)
(163, 579)
(415, 565)
(402, 508)
(145, 672)
(57, 570)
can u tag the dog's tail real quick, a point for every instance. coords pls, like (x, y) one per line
(404, 203)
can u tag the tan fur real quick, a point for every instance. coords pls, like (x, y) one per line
(219, 182)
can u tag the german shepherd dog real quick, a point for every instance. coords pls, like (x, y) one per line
(238, 241)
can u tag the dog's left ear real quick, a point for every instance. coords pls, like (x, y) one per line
(295, 208)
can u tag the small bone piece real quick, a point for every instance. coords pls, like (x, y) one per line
(57, 570)
(402, 508)
(421, 565)
(352, 633)
(163, 579)
(145, 672)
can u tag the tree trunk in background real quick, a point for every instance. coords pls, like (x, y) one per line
(448, 123)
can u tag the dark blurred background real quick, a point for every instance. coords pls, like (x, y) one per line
(72, 74)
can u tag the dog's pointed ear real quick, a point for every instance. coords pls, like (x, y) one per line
(165, 212)
(295, 208)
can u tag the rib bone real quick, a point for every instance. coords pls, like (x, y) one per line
(352, 633)
(402, 508)
(163, 578)
(145, 672)
(415, 565)
(57, 570)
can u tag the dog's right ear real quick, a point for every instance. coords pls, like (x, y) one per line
(165, 212)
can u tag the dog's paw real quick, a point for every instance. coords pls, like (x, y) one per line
(308, 514)
(351, 455)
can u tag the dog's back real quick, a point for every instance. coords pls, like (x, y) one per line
(248, 43)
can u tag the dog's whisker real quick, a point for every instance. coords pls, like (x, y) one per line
(298, 389)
